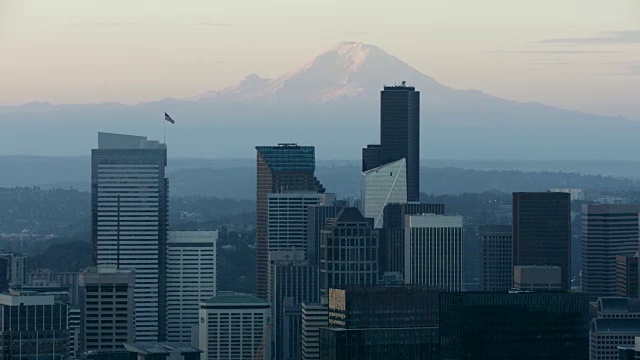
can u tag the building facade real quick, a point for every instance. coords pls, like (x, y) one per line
(537, 278)
(235, 327)
(349, 251)
(314, 317)
(497, 267)
(191, 279)
(607, 231)
(616, 324)
(33, 327)
(129, 193)
(381, 186)
(525, 325)
(286, 167)
(542, 231)
(107, 308)
(433, 251)
(316, 220)
(627, 276)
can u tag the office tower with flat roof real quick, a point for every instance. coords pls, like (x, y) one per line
(107, 308)
(286, 167)
(314, 317)
(497, 269)
(392, 235)
(348, 251)
(294, 279)
(433, 251)
(15, 268)
(627, 276)
(607, 231)
(537, 278)
(316, 220)
(191, 279)
(516, 325)
(287, 225)
(129, 193)
(542, 231)
(235, 326)
(33, 327)
(381, 186)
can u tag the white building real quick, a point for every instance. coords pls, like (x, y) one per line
(433, 251)
(191, 279)
(235, 327)
(287, 224)
(314, 317)
(381, 186)
(129, 216)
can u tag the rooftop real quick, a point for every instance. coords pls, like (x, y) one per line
(235, 298)
(153, 347)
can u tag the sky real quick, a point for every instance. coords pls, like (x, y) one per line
(577, 54)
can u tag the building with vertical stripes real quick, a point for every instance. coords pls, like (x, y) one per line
(129, 193)
(191, 279)
(497, 267)
(433, 251)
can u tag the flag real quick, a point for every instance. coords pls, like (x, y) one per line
(168, 118)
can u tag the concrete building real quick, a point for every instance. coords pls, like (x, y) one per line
(627, 276)
(537, 278)
(349, 251)
(607, 231)
(542, 231)
(191, 279)
(383, 185)
(497, 267)
(107, 308)
(74, 324)
(130, 217)
(15, 272)
(616, 324)
(433, 251)
(314, 317)
(235, 327)
(33, 327)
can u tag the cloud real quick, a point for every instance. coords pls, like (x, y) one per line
(105, 24)
(607, 37)
(213, 24)
(558, 52)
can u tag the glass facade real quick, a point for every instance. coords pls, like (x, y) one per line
(381, 186)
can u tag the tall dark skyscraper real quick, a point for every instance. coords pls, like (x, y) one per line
(542, 231)
(399, 135)
(286, 167)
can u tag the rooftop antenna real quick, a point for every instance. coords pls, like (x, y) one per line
(404, 83)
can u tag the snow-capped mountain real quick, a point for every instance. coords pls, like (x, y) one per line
(345, 71)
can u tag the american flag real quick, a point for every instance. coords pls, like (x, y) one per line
(168, 118)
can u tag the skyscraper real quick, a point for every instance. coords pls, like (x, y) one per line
(286, 167)
(314, 317)
(497, 270)
(129, 220)
(627, 276)
(607, 231)
(191, 278)
(381, 186)
(433, 251)
(316, 220)
(542, 231)
(348, 251)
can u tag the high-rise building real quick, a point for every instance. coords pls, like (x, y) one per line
(290, 277)
(235, 327)
(392, 237)
(348, 251)
(381, 186)
(607, 231)
(287, 225)
(74, 321)
(537, 278)
(291, 339)
(616, 324)
(433, 251)
(33, 327)
(517, 325)
(286, 167)
(627, 276)
(191, 279)
(107, 308)
(129, 193)
(316, 220)
(542, 231)
(497, 270)
(314, 317)
(15, 269)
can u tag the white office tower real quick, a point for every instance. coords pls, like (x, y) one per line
(235, 327)
(129, 216)
(191, 279)
(287, 224)
(433, 251)
(314, 317)
(383, 185)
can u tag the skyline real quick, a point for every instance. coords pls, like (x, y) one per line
(73, 52)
